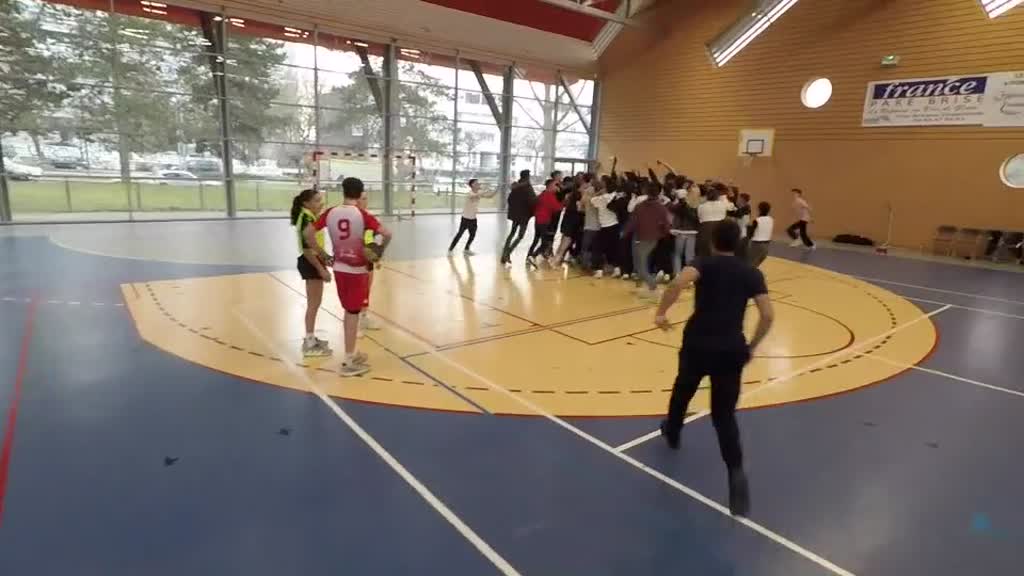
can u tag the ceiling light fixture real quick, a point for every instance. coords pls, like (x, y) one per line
(996, 8)
(743, 32)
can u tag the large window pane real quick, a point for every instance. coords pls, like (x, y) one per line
(582, 91)
(532, 150)
(351, 97)
(111, 110)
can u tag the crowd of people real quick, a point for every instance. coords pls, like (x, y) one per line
(643, 227)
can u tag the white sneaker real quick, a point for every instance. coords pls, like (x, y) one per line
(316, 348)
(660, 277)
(617, 272)
(351, 369)
(356, 365)
(367, 322)
(795, 243)
(645, 293)
(812, 247)
(599, 274)
(469, 252)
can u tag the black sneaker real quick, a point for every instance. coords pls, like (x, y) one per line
(739, 493)
(671, 438)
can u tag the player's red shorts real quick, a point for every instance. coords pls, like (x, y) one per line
(353, 291)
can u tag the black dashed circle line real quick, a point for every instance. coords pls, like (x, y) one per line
(892, 320)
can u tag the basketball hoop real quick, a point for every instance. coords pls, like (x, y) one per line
(748, 158)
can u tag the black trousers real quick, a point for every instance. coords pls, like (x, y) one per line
(725, 369)
(515, 236)
(543, 240)
(605, 246)
(625, 261)
(703, 249)
(467, 225)
(800, 226)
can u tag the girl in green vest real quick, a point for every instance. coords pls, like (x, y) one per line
(312, 265)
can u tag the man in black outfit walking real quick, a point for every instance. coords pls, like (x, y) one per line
(521, 200)
(714, 345)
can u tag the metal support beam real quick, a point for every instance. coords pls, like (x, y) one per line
(5, 199)
(488, 95)
(213, 31)
(572, 102)
(590, 11)
(455, 137)
(388, 100)
(595, 122)
(371, 78)
(504, 179)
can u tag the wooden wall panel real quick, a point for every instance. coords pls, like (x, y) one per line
(663, 99)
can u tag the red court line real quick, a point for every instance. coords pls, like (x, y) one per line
(12, 412)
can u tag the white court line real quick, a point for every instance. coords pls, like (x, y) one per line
(885, 360)
(773, 536)
(776, 381)
(479, 543)
(978, 296)
(981, 310)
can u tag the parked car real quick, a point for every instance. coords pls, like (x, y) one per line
(18, 171)
(68, 163)
(176, 176)
(206, 168)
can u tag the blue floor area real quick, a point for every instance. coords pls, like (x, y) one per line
(129, 461)
(887, 480)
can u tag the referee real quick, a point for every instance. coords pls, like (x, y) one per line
(714, 345)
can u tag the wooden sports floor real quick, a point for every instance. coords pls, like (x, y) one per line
(158, 418)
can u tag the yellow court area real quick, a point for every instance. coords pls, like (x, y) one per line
(455, 328)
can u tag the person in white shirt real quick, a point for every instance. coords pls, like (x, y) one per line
(715, 209)
(761, 237)
(469, 209)
(608, 236)
(591, 225)
(803, 215)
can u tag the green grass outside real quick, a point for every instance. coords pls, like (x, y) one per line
(44, 196)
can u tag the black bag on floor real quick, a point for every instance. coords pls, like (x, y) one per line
(853, 239)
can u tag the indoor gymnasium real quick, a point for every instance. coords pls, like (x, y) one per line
(511, 287)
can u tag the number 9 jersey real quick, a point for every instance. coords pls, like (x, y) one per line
(346, 226)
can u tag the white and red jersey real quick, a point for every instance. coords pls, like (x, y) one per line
(345, 226)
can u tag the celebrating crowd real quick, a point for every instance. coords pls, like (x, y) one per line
(643, 227)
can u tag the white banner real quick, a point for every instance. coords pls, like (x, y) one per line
(947, 101)
(1004, 100)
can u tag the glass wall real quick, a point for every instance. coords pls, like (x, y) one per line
(139, 109)
(481, 119)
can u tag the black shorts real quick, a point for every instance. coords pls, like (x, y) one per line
(307, 270)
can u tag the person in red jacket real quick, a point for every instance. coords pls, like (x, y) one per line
(543, 220)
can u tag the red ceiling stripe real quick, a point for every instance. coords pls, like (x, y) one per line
(536, 14)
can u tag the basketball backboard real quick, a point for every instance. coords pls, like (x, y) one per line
(756, 142)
